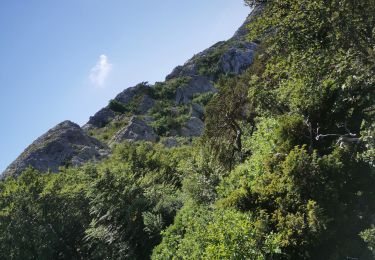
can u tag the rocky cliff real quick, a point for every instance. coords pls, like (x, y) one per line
(65, 144)
(159, 112)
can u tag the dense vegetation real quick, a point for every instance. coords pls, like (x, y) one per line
(285, 170)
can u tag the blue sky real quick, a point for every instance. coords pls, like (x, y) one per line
(65, 59)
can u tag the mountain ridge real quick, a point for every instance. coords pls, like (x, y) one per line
(137, 113)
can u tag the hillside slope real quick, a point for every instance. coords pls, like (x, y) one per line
(65, 144)
(285, 168)
(160, 112)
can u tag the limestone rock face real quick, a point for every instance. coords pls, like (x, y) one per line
(237, 59)
(190, 68)
(197, 85)
(68, 144)
(128, 94)
(193, 127)
(100, 119)
(65, 144)
(232, 56)
(145, 105)
(136, 130)
(187, 70)
(106, 115)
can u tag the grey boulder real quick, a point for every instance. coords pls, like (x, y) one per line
(232, 57)
(106, 115)
(237, 59)
(65, 144)
(192, 128)
(190, 68)
(128, 94)
(197, 85)
(100, 119)
(136, 130)
(145, 104)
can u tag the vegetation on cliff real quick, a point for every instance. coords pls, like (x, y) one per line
(285, 168)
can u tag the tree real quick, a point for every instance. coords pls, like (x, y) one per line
(40, 217)
(199, 233)
(319, 63)
(225, 112)
(134, 197)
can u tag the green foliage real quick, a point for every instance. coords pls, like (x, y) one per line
(168, 117)
(209, 63)
(224, 112)
(203, 173)
(130, 203)
(41, 218)
(308, 200)
(368, 139)
(117, 106)
(369, 237)
(199, 233)
(132, 107)
(115, 209)
(285, 169)
(203, 99)
(167, 90)
(116, 205)
(309, 98)
(105, 133)
(319, 62)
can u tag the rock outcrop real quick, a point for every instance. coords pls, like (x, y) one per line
(100, 119)
(65, 144)
(231, 56)
(68, 144)
(193, 127)
(106, 114)
(191, 67)
(227, 57)
(128, 94)
(197, 85)
(145, 104)
(136, 130)
(238, 58)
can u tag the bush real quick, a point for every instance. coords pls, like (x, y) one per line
(117, 106)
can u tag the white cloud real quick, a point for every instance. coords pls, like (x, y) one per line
(100, 72)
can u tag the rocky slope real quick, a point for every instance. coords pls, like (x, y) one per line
(162, 112)
(185, 89)
(65, 144)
